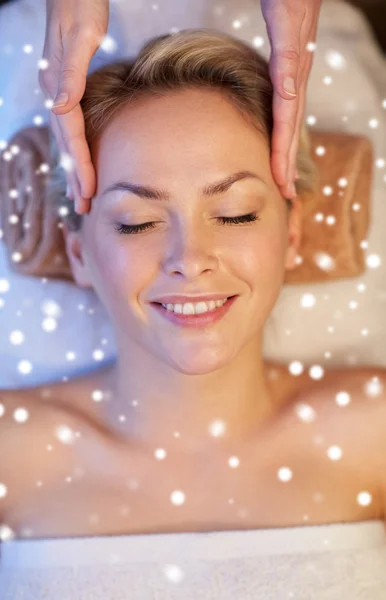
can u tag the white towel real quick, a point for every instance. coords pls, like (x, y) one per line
(344, 561)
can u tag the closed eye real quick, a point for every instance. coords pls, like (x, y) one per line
(128, 229)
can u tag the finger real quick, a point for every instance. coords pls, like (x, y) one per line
(48, 76)
(292, 155)
(62, 148)
(284, 30)
(78, 49)
(73, 133)
(284, 65)
(305, 69)
(284, 113)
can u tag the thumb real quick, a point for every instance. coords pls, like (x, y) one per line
(77, 56)
(284, 69)
(283, 28)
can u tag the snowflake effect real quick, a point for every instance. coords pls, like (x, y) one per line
(53, 314)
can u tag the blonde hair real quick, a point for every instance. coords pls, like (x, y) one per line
(192, 58)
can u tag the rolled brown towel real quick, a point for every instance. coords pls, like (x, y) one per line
(336, 215)
(35, 243)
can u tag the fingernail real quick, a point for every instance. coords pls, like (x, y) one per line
(60, 100)
(289, 86)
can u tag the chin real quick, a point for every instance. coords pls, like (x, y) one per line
(199, 364)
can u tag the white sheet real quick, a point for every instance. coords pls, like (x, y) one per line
(322, 562)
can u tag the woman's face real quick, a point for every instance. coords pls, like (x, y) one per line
(180, 143)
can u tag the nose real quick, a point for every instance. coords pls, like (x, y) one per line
(191, 253)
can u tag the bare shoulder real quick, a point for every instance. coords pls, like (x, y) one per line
(351, 403)
(76, 395)
(35, 438)
(360, 391)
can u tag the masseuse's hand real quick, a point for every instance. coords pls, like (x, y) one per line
(74, 31)
(291, 26)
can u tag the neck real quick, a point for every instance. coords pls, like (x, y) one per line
(155, 406)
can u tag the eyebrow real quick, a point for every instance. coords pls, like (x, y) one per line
(210, 190)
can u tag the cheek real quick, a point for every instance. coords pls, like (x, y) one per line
(110, 266)
(261, 256)
(119, 275)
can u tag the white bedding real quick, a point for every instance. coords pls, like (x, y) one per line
(348, 318)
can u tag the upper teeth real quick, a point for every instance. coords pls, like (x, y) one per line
(200, 307)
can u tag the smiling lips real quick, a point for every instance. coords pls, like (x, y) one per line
(180, 299)
(195, 320)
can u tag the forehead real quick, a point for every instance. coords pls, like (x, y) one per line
(190, 131)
